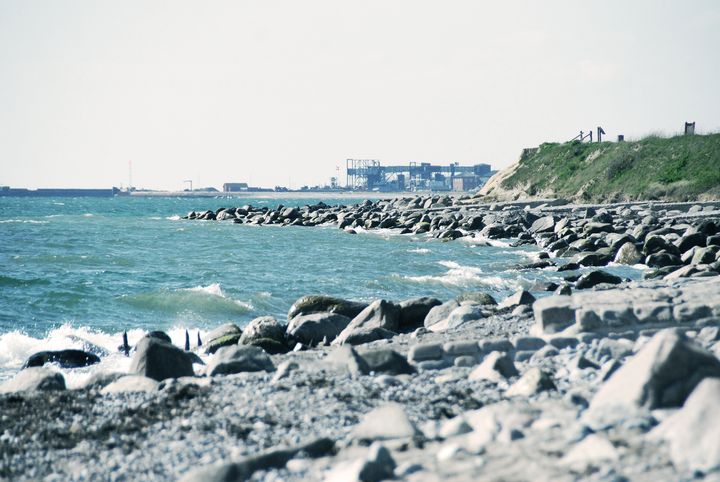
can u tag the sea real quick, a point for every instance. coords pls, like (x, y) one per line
(78, 272)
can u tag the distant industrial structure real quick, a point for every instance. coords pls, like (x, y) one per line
(371, 175)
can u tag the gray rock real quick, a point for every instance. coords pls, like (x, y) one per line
(427, 351)
(34, 379)
(459, 348)
(321, 303)
(312, 329)
(239, 358)
(413, 312)
(548, 351)
(543, 225)
(497, 344)
(461, 315)
(704, 255)
(386, 422)
(529, 343)
(224, 335)
(692, 432)
(387, 361)
(377, 466)
(244, 469)
(131, 383)
(159, 360)
(263, 327)
(496, 367)
(440, 312)
(378, 321)
(661, 375)
(561, 342)
(531, 383)
(628, 254)
(347, 360)
(519, 298)
(554, 313)
(477, 297)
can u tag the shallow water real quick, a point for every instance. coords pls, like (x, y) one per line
(93, 268)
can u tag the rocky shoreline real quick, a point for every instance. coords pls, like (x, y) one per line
(605, 379)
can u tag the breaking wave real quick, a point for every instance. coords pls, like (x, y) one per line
(201, 299)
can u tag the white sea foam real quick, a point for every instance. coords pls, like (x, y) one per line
(478, 240)
(215, 289)
(88, 215)
(173, 218)
(23, 221)
(419, 250)
(17, 347)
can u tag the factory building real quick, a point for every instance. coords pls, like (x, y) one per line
(371, 175)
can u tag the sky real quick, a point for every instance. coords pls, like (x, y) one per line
(282, 92)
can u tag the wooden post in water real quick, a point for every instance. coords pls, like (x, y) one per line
(187, 341)
(199, 340)
(126, 345)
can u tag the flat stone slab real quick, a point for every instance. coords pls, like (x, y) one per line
(633, 306)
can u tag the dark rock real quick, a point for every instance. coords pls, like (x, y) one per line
(321, 303)
(159, 360)
(569, 267)
(690, 241)
(378, 321)
(662, 259)
(387, 361)
(239, 358)
(159, 335)
(224, 335)
(63, 358)
(413, 312)
(312, 329)
(592, 259)
(594, 278)
(654, 244)
(270, 346)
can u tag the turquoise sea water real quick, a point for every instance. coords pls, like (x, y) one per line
(94, 267)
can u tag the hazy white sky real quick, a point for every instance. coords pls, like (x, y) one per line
(282, 92)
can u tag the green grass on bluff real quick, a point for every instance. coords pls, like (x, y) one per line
(682, 168)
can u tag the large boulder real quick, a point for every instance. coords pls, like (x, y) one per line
(312, 329)
(378, 321)
(34, 379)
(159, 360)
(465, 313)
(692, 432)
(263, 328)
(239, 358)
(661, 375)
(346, 360)
(63, 358)
(545, 224)
(497, 366)
(414, 311)
(440, 312)
(321, 303)
(628, 254)
(224, 335)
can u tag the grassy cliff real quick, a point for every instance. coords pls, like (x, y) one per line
(682, 168)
